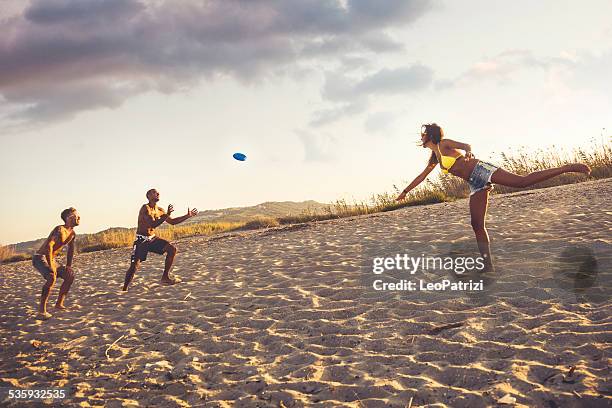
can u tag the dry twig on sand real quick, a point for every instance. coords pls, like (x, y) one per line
(438, 329)
(111, 346)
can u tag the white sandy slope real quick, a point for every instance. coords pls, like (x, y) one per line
(285, 317)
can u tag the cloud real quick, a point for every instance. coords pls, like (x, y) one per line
(330, 115)
(381, 122)
(106, 51)
(396, 81)
(502, 67)
(569, 76)
(11, 8)
(339, 87)
(92, 11)
(65, 101)
(351, 95)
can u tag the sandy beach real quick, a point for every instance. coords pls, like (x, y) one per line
(288, 317)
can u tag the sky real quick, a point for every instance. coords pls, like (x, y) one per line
(101, 100)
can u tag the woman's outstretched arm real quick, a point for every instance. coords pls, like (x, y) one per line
(418, 179)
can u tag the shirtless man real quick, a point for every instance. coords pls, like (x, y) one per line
(150, 217)
(43, 260)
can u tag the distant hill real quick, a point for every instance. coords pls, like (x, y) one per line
(235, 214)
(268, 209)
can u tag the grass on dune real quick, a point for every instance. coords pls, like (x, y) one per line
(8, 254)
(125, 237)
(378, 203)
(442, 188)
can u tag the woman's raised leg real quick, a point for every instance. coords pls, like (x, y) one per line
(505, 178)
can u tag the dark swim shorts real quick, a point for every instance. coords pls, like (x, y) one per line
(40, 263)
(144, 244)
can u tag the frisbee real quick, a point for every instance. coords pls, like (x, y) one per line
(239, 156)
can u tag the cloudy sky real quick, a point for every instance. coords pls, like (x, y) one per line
(102, 99)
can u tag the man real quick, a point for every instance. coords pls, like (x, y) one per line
(44, 261)
(150, 217)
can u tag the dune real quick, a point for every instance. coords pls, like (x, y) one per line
(287, 316)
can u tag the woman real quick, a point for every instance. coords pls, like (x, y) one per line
(480, 175)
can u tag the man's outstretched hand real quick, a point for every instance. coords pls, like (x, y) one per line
(170, 210)
(193, 212)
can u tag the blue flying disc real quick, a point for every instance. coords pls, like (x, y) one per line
(239, 156)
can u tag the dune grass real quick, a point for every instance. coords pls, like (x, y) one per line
(377, 203)
(8, 254)
(6, 251)
(442, 188)
(125, 237)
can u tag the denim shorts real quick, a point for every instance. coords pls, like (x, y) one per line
(481, 176)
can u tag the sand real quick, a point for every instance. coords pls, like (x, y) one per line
(285, 316)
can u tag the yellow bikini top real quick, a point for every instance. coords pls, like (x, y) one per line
(446, 162)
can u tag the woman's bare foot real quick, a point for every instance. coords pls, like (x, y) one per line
(578, 168)
(43, 316)
(488, 264)
(487, 268)
(168, 281)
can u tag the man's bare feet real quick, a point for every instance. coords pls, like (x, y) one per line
(168, 281)
(60, 307)
(73, 306)
(579, 168)
(43, 316)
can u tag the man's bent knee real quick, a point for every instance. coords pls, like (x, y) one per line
(50, 281)
(171, 249)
